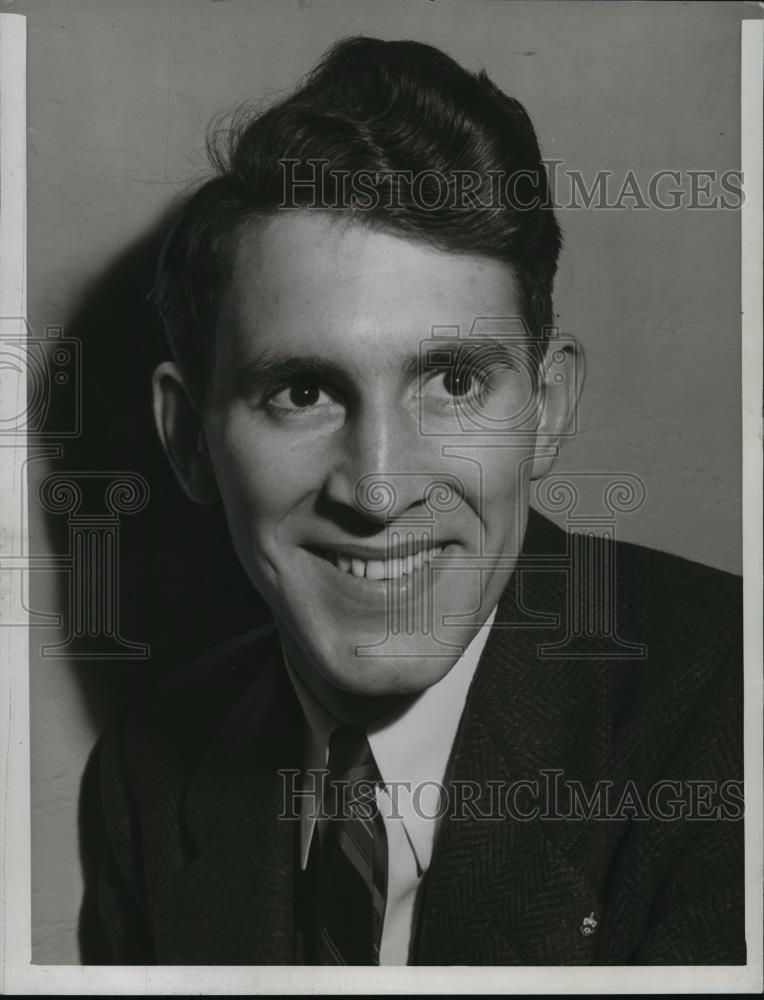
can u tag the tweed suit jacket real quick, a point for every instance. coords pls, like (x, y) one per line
(189, 863)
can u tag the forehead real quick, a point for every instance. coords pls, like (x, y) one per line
(325, 284)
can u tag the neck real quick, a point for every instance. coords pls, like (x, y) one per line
(346, 707)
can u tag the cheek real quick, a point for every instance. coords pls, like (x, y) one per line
(505, 489)
(262, 477)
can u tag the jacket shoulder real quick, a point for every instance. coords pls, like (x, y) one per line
(684, 609)
(176, 719)
(681, 703)
(660, 635)
(667, 599)
(133, 792)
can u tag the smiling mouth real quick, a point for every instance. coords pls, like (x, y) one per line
(400, 565)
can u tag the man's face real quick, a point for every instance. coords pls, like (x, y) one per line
(328, 439)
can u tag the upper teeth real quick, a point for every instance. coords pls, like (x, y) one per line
(386, 569)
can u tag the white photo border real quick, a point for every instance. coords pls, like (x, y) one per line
(19, 976)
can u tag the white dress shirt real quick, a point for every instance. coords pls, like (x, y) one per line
(412, 748)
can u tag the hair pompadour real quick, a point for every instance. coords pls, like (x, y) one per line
(389, 109)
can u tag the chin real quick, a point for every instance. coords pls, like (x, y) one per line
(390, 675)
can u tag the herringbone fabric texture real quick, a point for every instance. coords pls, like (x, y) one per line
(352, 860)
(190, 861)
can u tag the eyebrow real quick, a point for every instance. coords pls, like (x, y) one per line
(507, 350)
(275, 367)
(270, 368)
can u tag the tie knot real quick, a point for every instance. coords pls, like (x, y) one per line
(350, 756)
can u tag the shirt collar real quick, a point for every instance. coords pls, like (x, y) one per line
(412, 748)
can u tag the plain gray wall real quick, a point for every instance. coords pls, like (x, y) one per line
(119, 97)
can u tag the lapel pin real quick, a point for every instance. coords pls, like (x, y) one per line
(589, 926)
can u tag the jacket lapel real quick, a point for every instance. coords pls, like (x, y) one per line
(508, 890)
(236, 902)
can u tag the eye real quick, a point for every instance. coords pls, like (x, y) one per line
(302, 395)
(459, 382)
(453, 385)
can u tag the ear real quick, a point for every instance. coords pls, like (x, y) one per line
(181, 432)
(561, 379)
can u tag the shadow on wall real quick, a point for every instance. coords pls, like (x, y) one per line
(160, 573)
(179, 587)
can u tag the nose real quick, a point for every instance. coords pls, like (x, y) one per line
(382, 464)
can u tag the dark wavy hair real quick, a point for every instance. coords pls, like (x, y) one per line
(415, 124)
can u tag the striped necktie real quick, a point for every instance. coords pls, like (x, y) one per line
(352, 860)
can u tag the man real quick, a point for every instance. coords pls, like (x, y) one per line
(425, 760)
